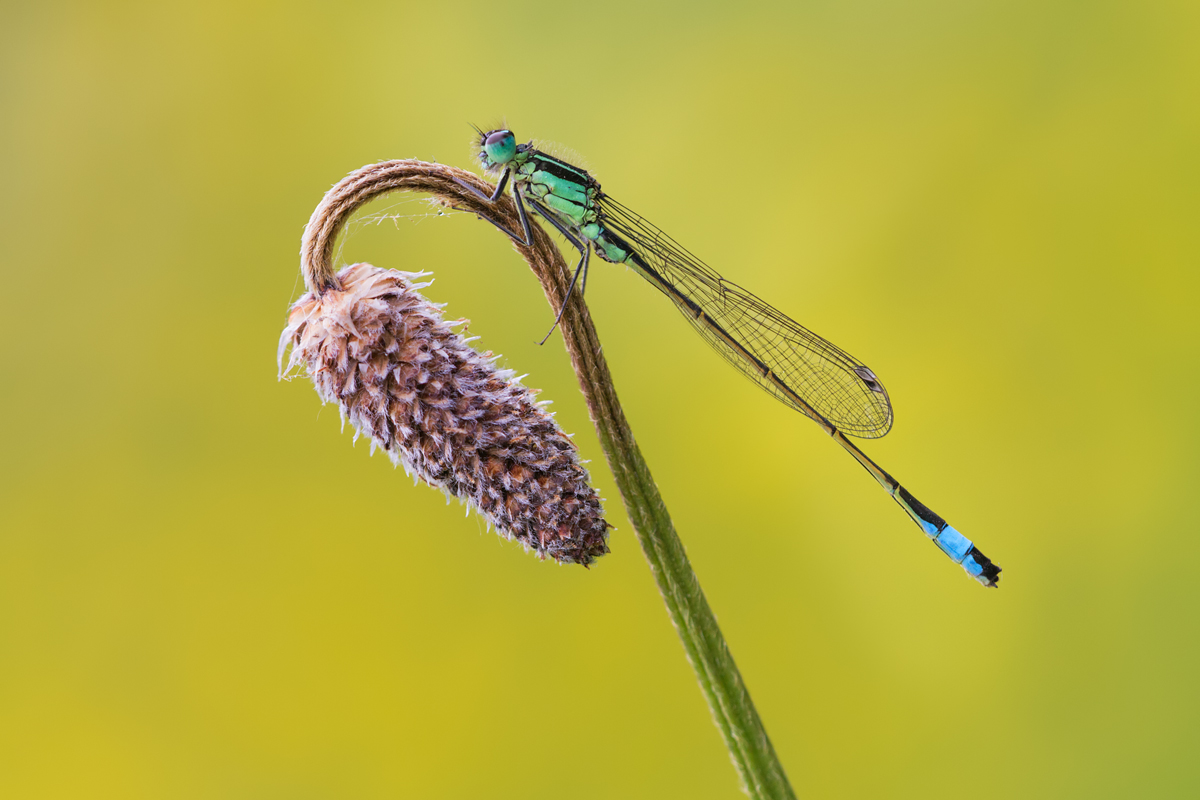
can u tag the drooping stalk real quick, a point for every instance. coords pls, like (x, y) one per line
(733, 711)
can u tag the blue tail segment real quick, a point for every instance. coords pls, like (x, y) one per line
(960, 549)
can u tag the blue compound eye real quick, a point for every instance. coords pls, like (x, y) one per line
(500, 146)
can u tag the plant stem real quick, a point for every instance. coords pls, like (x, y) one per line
(758, 767)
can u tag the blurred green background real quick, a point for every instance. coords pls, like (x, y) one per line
(206, 591)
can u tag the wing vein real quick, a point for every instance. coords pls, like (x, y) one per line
(798, 362)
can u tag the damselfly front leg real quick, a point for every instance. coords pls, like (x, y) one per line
(528, 240)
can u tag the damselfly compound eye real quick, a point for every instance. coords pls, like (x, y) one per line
(500, 146)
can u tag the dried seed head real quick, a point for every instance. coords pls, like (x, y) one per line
(406, 379)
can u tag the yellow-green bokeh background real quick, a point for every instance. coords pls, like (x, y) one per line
(206, 591)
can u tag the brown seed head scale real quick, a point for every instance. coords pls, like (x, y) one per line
(406, 379)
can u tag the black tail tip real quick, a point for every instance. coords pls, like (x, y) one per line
(988, 573)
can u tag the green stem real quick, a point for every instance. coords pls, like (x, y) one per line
(733, 712)
(728, 699)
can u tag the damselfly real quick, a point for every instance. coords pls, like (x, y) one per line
(813, 376)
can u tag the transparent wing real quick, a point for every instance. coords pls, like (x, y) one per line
(789, 361)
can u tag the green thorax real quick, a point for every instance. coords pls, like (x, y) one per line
(565, 189)
(570, 194)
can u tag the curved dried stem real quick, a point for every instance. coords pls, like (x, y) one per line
(733, 712)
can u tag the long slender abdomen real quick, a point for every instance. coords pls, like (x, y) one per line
(960, 549)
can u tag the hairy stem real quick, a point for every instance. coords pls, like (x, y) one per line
(733, 712)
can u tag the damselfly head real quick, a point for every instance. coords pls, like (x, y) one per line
(498, 148)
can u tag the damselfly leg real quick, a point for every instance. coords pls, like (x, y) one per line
(528, 240)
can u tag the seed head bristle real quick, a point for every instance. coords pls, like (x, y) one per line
(406, 379)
